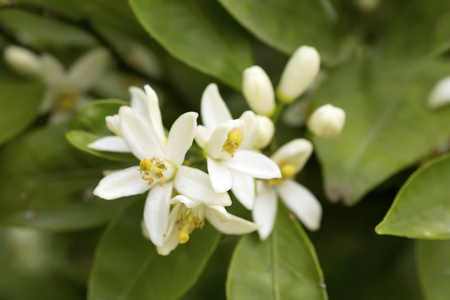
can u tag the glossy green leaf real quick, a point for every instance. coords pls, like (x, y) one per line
(287, 25)
(284, 266)
(19, 106)
(198, 32)
(433, 263)
(47, 183)
(388, 125)
(422, 207)
(127, 265)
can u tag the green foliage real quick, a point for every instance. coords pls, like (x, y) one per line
(421, 209)
(127, 265)
(284, 266)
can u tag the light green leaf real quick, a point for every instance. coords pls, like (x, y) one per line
(19, 106)
(388, 125)
(433, 263)
(127, 266)
(286, 25)
(422, 207)
(284, 266)
(199, 33)
(47, 183)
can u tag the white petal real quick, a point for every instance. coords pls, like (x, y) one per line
(219, 175)
(122, 183)
(22, 60)
(296, 152)
(228, 223)
(214, 148)
(156, 212)
(139, 135)
(52, 71)
(113, 123)
(88, 69)
(213, 109)
(250, 130)
(181, 136)
(440, 95)
(110, 143)
(302, 203)
(265, 210)
(254, 164)
(195, 184)
(185, 200)
(266, 130)
(243, 188)
(169, 244)
(202, 136)
(139, 101)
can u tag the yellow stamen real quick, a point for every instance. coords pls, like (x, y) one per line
(232, 143)
(154, 165)
(65, 101)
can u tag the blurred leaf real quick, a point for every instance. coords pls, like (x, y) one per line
(287, 24)
(199, 33)
(47, 183)
(127, 265)
(284, 266)
(388, 125)
(433, 263)
(19, 106)
(421, 208)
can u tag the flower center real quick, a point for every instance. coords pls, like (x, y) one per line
(232, 143)
(156, 166)
(65, 101)
(188, 223)
(287, 172)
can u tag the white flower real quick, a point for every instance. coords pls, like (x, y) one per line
(327, 121)
(258, 91)
(160, 169)
(65, 90)
(290, 158)
(229, 166)
(300, 71)
(440, 95)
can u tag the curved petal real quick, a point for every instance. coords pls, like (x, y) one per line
(181, 136)
(139, 135)
(202, 136)
(228, 223)
(110, 143)
(195, 184)
(243, 188)
(296, 152)
(254, 164)
(169, 244)
(113, 124)
(214, 148)
(251, 130)
(156, 212)
(213, 109)
(302, 203)
(52, 71)
(88, 69)
(184, 200)
(219, 175)
(122, 183)
(265, 210)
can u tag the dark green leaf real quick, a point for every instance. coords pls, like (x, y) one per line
(433, 263)
(284, 266)
(199, 33)
(422, 207)
(127, 266)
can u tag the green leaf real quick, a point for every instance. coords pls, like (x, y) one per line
(286, 24)
(199, 33)
(127, 265)
(433, 263)
(388, 125)
(47, 183)
(19, 106)
(284, 266)
(421, 208)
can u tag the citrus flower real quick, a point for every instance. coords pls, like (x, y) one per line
(290, 158)
(327, 121)
(229, 166)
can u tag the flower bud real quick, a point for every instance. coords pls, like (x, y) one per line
(440, 95)
(266, 129)
(258, 91)
(22, 60)
(327, 121)
(300, 71)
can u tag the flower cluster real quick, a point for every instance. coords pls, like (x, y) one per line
(180, 197)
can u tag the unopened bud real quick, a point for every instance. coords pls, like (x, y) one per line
(22, 60)
(300, 71)
(266, 129)
(327, 121)
(258, 91)
(440, 95)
